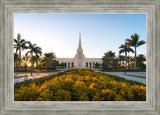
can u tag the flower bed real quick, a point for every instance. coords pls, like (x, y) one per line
(82, 85)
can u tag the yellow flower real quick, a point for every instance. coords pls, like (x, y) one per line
(91, 86)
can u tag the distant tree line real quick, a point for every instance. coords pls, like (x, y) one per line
(33, 60)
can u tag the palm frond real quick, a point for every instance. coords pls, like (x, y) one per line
(121, 51)
(22, 41)
(122, 46)
(130, 50)
(140, 43)
(15, 41)
(28, 53)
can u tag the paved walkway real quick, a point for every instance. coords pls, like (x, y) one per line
(34, 75)
(121, 74)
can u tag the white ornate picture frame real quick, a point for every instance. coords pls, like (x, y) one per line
(149, 107)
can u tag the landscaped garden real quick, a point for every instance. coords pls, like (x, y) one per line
(79, 85)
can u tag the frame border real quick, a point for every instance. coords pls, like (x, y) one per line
(150, 8)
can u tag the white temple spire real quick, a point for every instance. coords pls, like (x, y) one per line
(80, 46)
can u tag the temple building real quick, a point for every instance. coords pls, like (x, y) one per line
(79, 60)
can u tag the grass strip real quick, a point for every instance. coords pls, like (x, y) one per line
(137, 76)
(19, 76)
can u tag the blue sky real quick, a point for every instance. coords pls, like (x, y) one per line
(100, 33)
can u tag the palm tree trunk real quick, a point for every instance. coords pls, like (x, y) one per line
(135, 59)
(20, 59)
(129, 64)
(126, 62)
(37, 65)
(31, 64)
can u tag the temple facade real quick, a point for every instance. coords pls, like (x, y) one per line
(79, 60)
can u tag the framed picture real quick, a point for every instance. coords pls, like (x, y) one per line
(82, 83)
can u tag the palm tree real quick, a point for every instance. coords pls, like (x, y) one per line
(20, 44)
(25, 60)
(140, 61)
(54, 64)
(47, 59)
(110, 54)
(108, 59)
(33, 49)
(38, 60)
(131, 60)
(121, 58)
(134, 41)
(34, 60)
(124, 48)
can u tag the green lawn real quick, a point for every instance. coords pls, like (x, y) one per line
(143, 77)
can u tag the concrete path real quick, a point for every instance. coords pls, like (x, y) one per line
(121, 74)
(34, 75)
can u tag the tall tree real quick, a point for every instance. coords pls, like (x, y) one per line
(131, 60)
(25, 60)
(54, 63)
(121, 58)
(124, 48)
(140, 61)
(108, 59)
(110, 54)
(33, 49)
(134, 41)
(47, 59)
(34, 60)
(19, 45)
(38, 60)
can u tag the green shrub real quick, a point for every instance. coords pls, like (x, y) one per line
(30, 93)
(61, 94)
